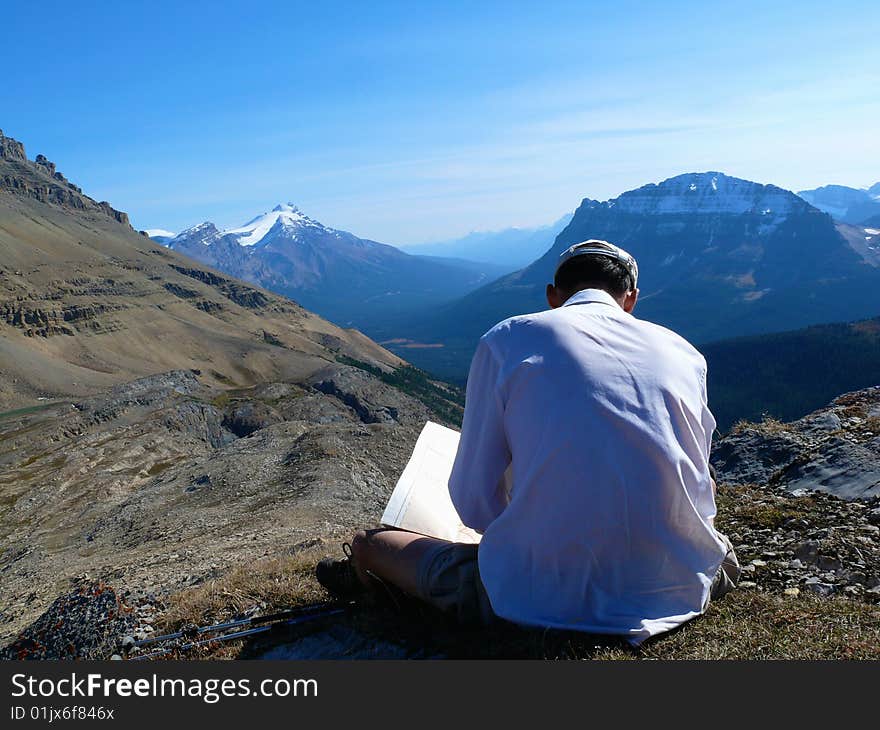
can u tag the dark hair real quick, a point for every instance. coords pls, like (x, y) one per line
(590, 271)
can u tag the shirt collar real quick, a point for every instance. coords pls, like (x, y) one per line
(591, 296)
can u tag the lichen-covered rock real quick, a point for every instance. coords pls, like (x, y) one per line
(82, 624)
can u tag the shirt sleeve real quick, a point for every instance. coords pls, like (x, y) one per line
(476, 485)
(707, 419)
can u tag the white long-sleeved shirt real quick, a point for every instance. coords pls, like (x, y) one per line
(604, 423)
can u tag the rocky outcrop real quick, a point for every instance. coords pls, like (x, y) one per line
(11, 149)
(46, 321)
(835, 450)
(360, 392)
(41, 181)
(244, 296)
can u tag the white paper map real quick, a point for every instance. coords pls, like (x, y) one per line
(420, 501)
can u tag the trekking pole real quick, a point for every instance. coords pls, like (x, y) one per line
(188, 632)
(246, 632)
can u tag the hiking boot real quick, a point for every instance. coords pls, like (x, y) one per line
(338, 576)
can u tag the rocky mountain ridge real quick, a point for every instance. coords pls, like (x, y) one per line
(86, 302)
(41, 181)
(161, 482)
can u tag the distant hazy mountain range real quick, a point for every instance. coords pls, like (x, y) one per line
(511, 248)
(350, 280)
(850, 205)
(159, 235)
(719, 257)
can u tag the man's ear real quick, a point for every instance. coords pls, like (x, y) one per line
(554, 298)
(629, 301)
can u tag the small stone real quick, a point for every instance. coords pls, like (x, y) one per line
(855, 577)
(820, 589)
(127, 642)
(827, 562)
(792, 591)
(759, 563)
(747, 584)
(796, 565)
(807, 551)
(116, 658)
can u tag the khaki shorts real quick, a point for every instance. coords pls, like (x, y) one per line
(449, 579)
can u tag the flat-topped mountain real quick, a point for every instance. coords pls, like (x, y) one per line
(718, 256)
(348, 279)
(86, 302)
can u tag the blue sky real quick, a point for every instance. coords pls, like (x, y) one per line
(406, 122)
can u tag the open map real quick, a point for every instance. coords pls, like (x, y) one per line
(420, 501)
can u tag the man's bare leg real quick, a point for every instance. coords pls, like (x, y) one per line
(392, 555)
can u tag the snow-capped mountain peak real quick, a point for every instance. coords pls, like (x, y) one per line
(205, 233)
(286, 208)
(285, 215)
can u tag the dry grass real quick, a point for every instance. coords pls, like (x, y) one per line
(744, 625)
(767, 427)
(267, 585)
(751, 625)
(751, 504)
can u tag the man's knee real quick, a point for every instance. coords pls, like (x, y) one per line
(363, 546)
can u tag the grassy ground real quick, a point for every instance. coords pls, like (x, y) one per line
(743, 625)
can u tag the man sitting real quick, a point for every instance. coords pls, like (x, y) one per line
(584, 463)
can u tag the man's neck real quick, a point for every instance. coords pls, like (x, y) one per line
(586, 292)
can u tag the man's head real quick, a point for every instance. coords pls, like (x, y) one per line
(595, 264)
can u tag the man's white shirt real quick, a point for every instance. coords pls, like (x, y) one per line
(604, 521)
